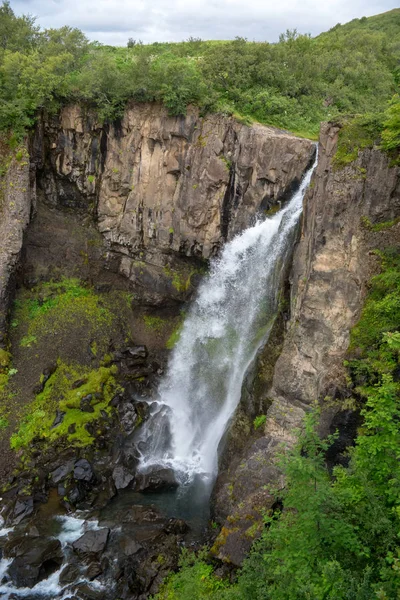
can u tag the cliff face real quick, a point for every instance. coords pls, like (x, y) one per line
(134, 209)
(17, 192)
(331, 266)
(166, 191)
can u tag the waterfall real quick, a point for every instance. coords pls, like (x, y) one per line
(228, 322)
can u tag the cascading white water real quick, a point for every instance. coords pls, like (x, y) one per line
(227, 323)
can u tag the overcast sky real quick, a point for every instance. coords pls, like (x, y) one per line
(115, 21)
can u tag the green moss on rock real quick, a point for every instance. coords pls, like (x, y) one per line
(5, 359)
(64, 392)
(175, 335)
(53, 307)
(154, 323)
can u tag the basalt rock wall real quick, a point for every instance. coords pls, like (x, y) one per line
(17, 195)
(332, 265)
(165, 192)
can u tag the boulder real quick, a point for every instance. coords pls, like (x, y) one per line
(23, 508)
(156, 480)
(34, 559)
(127, 416)
(79, 382)
(136, 352)
(92, 542)
(122, 477)
(58, 418)
(130, 546)
(94, 570)
(85, 404)
(176, 526)
(69, 574)
(83, 470)
(62, 472)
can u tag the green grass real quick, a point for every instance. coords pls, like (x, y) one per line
(381, 312)
(153, 323)
(54, 307)
(379, 226)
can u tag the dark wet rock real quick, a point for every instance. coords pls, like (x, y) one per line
(74, 495)
(116, 400)
(70, 573)
(47, 373)
(92, 542)
(34, 559)
(156, 480)
(23, 508)
(137, 352)
(130, 546)
(127, 416)
(83, 591)
(87, 398)
(176, 526)
(58, 418)
(33, 531)
(94, 570)
(79, 382)
(106, 492)
(83, 470)
(72, 428)
(122, 477)
(62, 472)
(85, 404)
(142, 409)
(37, 389)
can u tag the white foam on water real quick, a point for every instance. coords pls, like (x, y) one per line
(72, 528)
(47, 588)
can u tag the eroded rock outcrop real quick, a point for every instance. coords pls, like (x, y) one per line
(166, 191)
(332, 265)
(17, 191)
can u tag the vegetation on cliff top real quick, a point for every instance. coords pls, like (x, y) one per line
(294, 84)
(338, 535)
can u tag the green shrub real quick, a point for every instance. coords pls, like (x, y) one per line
(259, 421)
(355, 135)
(391, 126)
(292, 84)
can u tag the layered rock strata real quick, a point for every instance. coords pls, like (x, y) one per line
(165, 191)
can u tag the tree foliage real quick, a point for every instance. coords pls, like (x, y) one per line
(293, 84)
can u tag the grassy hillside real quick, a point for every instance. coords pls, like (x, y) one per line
(387, 23)
(293, 84)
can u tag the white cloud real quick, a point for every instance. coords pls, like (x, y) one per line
(114, 21)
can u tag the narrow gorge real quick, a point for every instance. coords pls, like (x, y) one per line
(176, 294)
